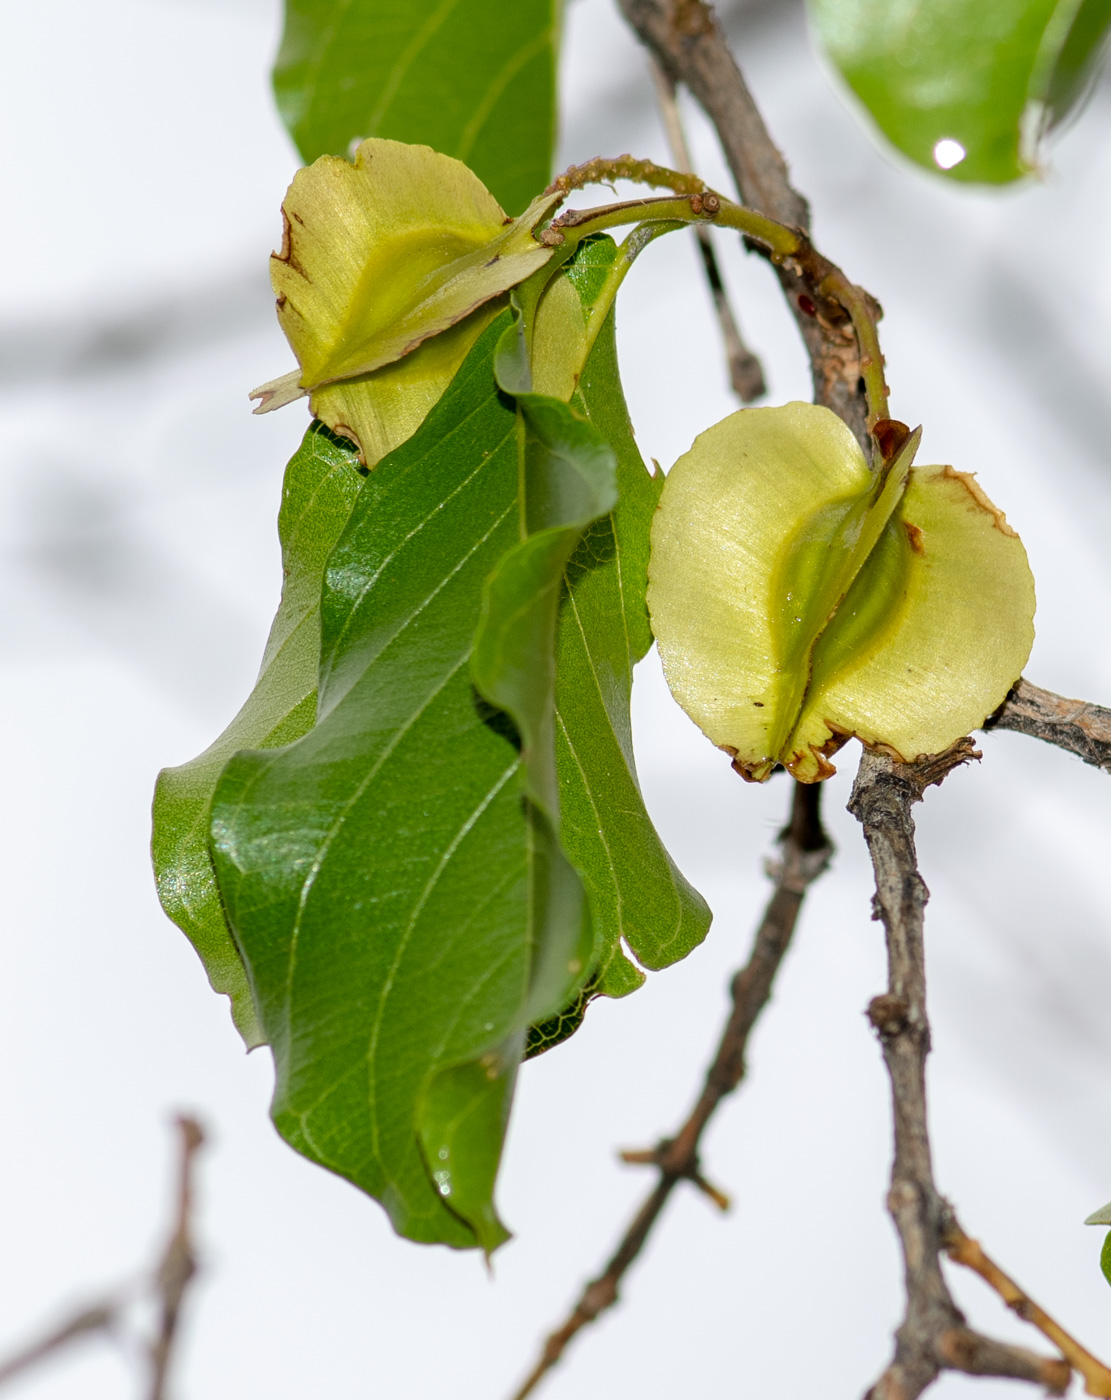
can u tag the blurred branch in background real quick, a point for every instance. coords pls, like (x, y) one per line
(804, 856)
(92, 341)
(745, 371)
(166, 1285)
(687, 42)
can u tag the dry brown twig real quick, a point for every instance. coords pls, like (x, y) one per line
(168, 1284)
(805, 852)
(179, 1261)
(1073, 725)
(933, 1335)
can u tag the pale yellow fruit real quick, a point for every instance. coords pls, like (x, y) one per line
(798, 600)
(389, 270)
(383, 253)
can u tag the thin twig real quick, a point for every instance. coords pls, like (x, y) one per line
(170, 1281)
(745, 371)
(178, 1264)
(687, 42)
(962, 1250)
(101, 1317)
(805, 854)
(933, 1336)
(1082, 729)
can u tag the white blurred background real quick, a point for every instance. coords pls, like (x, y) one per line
(143, 166)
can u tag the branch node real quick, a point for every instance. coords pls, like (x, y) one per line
(888, 1013)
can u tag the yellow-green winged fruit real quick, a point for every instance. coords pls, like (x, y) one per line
(799, 599)
(390, 268)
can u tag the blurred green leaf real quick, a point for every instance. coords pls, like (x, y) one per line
(1105, 1257)
(960, 86)
(321, 483)
(471, 78)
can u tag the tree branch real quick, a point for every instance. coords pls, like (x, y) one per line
(101, 1317)
(178, 1264)
(687, 42)
(170, 1281)
(745, 371)
(933, 1336)
(962, 1250)
(1082, 729)
(805, 854)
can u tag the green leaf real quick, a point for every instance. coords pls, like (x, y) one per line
(1105, 1257)
(462, 1123)
(390, 876)
(321, 484)
(393, 877)
(962, 86)
(638, 895)
(469, 78)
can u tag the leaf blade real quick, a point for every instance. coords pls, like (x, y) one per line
(639, 896)
(318, 493)
(376, 976)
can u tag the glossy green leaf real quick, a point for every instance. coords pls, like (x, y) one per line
(798, 600)
(391, 876)
(639, 897)
(472, 79)
(962, 86)
(321, 484)
(462, 1121)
